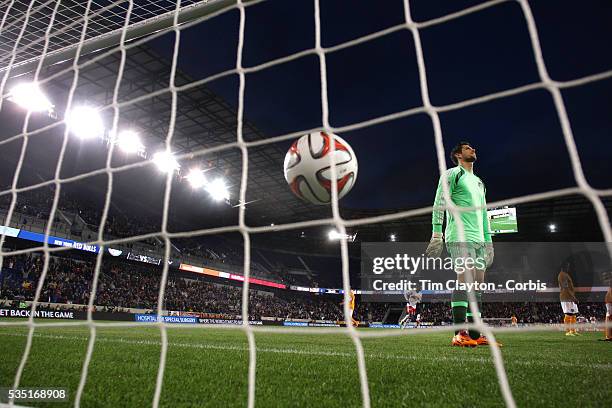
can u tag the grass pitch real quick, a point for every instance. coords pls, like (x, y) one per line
(208, 367)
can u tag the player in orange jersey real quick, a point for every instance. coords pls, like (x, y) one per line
(569, 302)
(351, 305)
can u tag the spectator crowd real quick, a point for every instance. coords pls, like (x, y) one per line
(124, 285)
(33, 208)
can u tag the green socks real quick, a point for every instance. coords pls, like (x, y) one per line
(459, 305)
(474, 334)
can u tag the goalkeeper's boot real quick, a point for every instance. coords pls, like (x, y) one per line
(463, 339)
(483, 341)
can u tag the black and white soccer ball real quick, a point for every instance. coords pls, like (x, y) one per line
(307, 167)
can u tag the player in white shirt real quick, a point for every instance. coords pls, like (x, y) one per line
(412, 299)
(593, 321)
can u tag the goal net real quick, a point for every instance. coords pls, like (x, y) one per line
(64, 47)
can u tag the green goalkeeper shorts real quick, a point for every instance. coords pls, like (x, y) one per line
(467, 255)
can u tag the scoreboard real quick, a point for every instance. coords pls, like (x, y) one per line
(503, 220)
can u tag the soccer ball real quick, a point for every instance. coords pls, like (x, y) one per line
(307, 167)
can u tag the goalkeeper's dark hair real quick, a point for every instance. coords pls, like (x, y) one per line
(456, 150)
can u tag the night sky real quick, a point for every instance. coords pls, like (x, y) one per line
(518, 139)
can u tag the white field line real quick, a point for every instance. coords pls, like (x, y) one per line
(207, 346)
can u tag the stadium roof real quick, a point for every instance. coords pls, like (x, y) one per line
(203, 120)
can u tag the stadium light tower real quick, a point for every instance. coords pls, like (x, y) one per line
(196, 178)
(218, 190)
(29, 96)
(165, 161)
(85, 122)
(129, 141)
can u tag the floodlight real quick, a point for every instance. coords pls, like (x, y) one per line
(196, 178)
(85, 122)
(333, 235)
(218, 190)
(552, 228)
(28, 95)
(165, 161)
(129, 141)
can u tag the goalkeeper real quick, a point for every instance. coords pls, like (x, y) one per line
(465, 190)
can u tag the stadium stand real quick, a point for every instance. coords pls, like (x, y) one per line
(131, 286)
(134, 286)
(78, 222)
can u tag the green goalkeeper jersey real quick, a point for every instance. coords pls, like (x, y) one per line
(466, 190)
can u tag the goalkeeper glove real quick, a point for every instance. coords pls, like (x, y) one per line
(489, 254)
(434, 249)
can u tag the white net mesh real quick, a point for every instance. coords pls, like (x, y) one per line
(105, 17)
(31, 30)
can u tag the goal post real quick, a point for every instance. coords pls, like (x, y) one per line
(112, 38)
